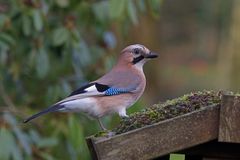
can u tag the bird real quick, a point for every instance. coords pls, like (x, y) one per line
(114, 92)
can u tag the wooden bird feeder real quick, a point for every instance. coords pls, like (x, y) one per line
(211, 133)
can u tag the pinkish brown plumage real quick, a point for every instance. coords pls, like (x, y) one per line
(112, 93)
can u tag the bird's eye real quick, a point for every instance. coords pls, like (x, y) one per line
(136, 51)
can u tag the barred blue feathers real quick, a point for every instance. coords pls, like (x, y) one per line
(115, 91)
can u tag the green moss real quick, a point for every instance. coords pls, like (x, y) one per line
(169, 109)
(101, 134)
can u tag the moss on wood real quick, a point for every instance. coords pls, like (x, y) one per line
(169, 109)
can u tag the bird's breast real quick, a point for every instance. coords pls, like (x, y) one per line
(111, 104)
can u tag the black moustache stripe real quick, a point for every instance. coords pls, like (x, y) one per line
(137, 59)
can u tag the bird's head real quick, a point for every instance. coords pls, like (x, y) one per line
(136, 55)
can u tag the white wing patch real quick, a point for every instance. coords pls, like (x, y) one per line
(91, 89)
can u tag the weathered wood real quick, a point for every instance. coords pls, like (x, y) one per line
(162, 138)
(91, 147)
(229, 125)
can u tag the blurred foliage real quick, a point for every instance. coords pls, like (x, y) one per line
(47, 48)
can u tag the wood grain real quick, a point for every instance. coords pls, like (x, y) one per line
(159, 139)
(229, 127)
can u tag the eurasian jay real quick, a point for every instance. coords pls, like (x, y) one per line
(112, 93)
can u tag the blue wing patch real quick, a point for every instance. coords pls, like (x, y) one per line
(115, 91)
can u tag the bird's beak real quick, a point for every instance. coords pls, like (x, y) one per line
(151, 55)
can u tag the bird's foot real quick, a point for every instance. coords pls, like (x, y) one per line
(105, 133)
(124, 118)
(110, 134)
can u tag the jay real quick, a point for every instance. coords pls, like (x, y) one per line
(112, 93)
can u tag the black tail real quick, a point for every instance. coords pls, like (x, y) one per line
(45, 111)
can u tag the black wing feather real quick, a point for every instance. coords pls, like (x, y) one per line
(99, 87)
(81, 89)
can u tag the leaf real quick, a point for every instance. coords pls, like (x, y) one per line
(132, 12)
(141, 5)
(81, 55)
(101, 10)
(37, 20)
(26, 25)
(21, 137)
(155, 6)
(75, 35)
(16, 153)
(75, 132)
(54, 93)
(42, 63)
(42, 142)
(7, 38)
(116, 8)
(109, 39)
(66, 88)
(3, 53)
(177, 157)
(62, 3)
(3, 45)
(3, 56)
(6, 143)
(76, 140)
(3, 19)
(60, 36)
(32, 57)
(46, 156)
(8, 146)
(15, 70)
(34, 136)
(84, 58)
(47, 142)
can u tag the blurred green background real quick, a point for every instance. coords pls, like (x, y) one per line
(48, 48)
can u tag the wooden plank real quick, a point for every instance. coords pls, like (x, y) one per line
(91, 147)
(162, 138)
(229, 125)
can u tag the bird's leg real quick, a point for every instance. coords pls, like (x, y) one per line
(122, 113)
(104, 130)
(101, 125)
